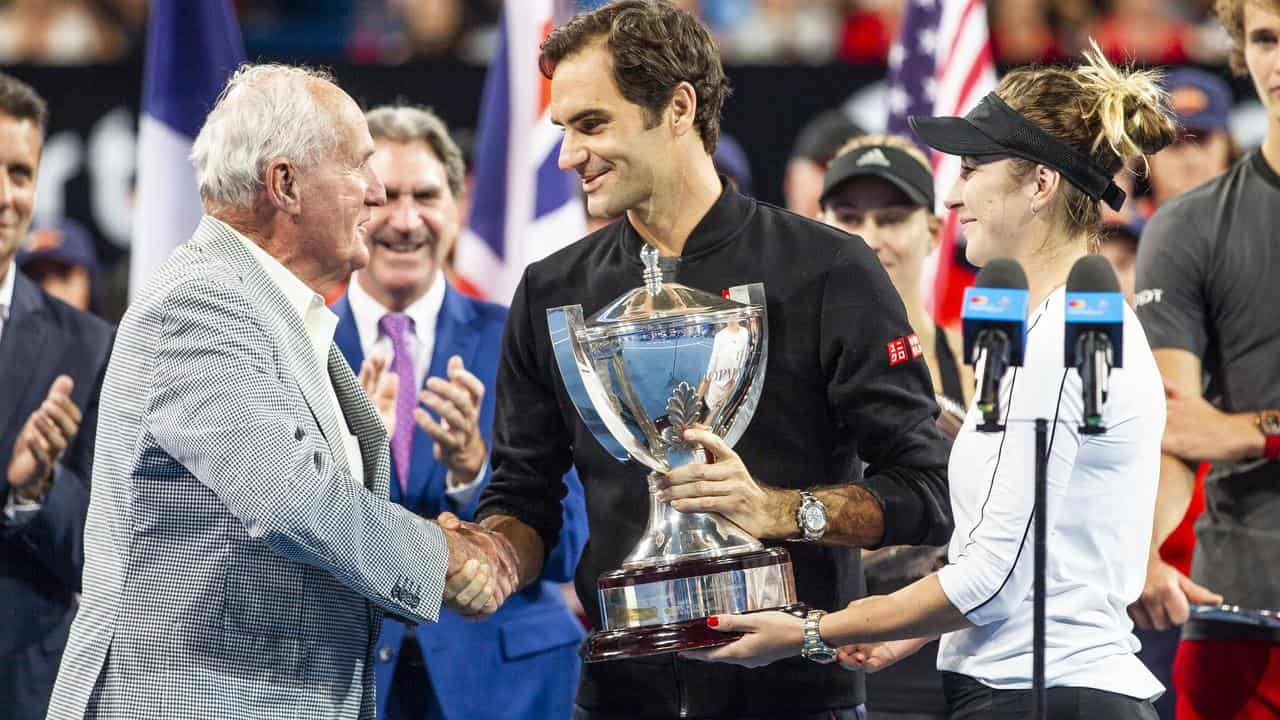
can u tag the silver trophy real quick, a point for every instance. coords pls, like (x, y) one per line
(649, 365)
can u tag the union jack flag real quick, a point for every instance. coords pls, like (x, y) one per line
(941, 64)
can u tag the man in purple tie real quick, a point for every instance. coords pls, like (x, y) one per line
(442, 348)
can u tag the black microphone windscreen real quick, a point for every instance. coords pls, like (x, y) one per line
(1002, 273)
(1092, 273)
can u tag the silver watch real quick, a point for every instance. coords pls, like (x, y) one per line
(811, 517)
(814, 648)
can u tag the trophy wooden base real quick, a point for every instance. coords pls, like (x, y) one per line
(686, 593)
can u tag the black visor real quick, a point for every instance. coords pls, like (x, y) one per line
(881, 161)
(994, 128)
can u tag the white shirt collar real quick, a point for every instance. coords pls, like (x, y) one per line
(6, 291)
(367, 311)
(319, 321)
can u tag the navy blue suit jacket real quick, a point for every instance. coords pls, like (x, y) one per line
(41, 559)
(523, 661)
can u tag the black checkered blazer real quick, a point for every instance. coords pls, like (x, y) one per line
(233, 567)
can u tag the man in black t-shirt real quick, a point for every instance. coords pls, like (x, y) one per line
(637, 87)
(1208, 285)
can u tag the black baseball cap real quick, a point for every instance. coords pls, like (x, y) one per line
(888, 163)
(823, 135)
(993, 128)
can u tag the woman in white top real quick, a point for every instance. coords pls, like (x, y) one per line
(1038, 157)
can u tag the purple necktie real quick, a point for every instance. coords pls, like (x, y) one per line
(397, 327)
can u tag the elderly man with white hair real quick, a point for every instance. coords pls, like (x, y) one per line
(240, 549)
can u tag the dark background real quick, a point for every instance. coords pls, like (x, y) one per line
(94, 116)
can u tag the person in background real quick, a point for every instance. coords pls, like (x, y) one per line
(52, 358)
(62, 260)
(1119, 245)
(815, 145)
(1204, 150)
(443, 347)
(732, 162)
(1206, 294)
(880, 188)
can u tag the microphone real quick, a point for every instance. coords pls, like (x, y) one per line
(1094, 337)
(994, 317)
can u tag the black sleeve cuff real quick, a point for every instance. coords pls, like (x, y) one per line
(549, 532)
(915, 504)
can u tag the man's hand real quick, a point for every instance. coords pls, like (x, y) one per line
(483, 569)
(724, 486)
(458, 442)
(43, 440)
(876, 656)
(1196, 430)
(381, 386)
(1166, 600)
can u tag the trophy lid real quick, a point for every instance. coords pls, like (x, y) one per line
(658, 301)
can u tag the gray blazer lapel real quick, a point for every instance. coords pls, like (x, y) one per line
(212, 237)
(362, 418)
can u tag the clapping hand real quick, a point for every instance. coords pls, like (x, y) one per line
(43, 440)
(458, 442)
(381, 386)
(483, 568)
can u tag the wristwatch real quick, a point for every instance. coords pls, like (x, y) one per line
(1268, 422)
(814, 648)
(811, 517)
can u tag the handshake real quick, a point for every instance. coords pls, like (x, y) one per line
(483, 568)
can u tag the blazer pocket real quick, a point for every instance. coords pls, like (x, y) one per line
(538, 632)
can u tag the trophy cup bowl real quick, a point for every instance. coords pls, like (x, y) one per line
(654, 362)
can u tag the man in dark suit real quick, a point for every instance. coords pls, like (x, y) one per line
(443, 350)
(51, 362)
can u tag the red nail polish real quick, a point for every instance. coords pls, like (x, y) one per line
(713, 621)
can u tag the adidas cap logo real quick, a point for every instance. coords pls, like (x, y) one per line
(874, 156)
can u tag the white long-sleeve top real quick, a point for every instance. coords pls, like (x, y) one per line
(1100, 499)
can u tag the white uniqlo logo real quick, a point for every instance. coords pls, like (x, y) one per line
(874, 156)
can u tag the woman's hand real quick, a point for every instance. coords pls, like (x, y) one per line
(873, 657)
(766, 637)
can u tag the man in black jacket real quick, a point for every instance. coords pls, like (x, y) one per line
(638, 87)
(51, 361)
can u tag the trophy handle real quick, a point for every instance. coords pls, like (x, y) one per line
(586, 391)
(752, 294)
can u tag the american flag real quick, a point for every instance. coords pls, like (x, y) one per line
(941, 64)
(525, 207)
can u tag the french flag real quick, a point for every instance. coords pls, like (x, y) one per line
(192, 47)
(525, 207)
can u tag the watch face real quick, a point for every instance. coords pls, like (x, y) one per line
(822, 655)
(814, 517)
(1269, 422)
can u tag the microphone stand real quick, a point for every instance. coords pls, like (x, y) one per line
(1039, 696)
(1040, 700)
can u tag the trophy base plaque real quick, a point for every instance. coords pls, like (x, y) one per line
(663, 609)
